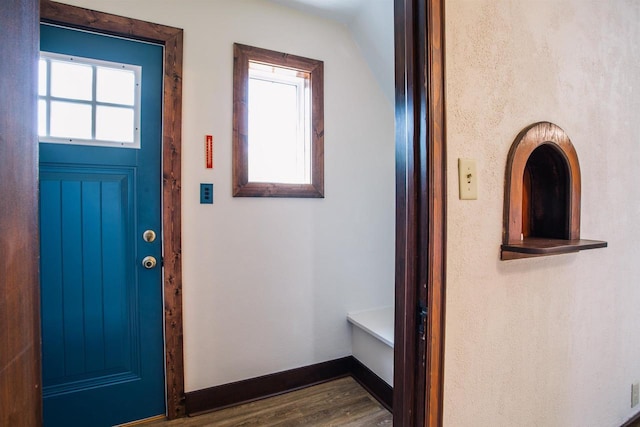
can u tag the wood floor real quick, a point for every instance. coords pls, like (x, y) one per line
(341, 402)
(635, 423)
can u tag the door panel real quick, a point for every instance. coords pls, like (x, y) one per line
(86, 294)
(103, 361)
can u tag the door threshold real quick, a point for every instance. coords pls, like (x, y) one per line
(143, 421)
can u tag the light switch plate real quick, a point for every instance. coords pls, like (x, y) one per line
(635, 394)
(206, 194)
(468, 179)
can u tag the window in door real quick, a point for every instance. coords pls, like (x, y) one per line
(88, 102)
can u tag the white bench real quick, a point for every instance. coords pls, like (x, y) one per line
(372, 340)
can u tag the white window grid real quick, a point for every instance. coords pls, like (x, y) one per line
(94, 63)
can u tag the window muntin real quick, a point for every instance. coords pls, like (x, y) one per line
(88, 102)
(278, 140)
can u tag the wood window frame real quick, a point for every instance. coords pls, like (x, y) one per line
(242, 187)
(171, 38)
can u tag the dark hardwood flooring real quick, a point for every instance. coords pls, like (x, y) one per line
(635, 423)
(341, 402)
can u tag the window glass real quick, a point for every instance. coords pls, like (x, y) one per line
(70, 120)
(42, 112)
(115, 86)
(42, 77)
(71, 81)
(275, 133)
(114, 124)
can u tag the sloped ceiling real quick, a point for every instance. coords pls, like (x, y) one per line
(371, 25)
(339, 10)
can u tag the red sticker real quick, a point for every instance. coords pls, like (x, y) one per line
(208, 151)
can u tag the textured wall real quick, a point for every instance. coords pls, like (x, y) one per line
(268, 282)
(552, 341)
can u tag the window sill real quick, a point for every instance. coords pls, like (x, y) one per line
(264, 189)
(535, 247)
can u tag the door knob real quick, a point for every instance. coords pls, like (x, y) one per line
(149, 236)
(149, 262)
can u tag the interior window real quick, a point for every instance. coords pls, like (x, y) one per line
(278, 124)
(88, 102)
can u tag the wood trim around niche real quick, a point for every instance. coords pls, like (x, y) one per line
(516, 242)
(171, 38)
(527, 141)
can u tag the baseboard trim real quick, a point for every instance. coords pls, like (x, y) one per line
(632, 421)
(376, 386)
(232, 394)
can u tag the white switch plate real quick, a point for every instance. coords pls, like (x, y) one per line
(468, 179)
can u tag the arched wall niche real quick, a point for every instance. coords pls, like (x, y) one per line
(542, 195)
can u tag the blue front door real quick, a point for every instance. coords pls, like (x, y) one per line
(102, 342)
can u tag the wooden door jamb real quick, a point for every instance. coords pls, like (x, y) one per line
(420, 212)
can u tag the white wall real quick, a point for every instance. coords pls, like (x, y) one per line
(371, 25)
(268, 282)
(372, 29)
(552, 341)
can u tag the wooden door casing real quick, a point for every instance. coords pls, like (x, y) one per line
(20, 381)
(420, 211)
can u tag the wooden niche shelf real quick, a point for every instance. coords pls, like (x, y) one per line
(542, 196)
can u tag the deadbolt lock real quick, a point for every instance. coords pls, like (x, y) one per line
(149, 262)
(149, 236)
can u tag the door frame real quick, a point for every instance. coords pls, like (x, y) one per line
(20, 377)
(420, 212)
(171, 38)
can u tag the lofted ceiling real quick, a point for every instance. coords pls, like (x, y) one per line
(371, 25)
(339, 10)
